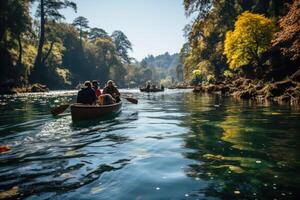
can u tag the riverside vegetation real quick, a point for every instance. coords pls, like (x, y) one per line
(248, 49)
(43, 51)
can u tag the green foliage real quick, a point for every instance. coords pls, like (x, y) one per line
(228, 74)
(167, 82)
(197, 73)
(162, 66)
(64, 74)
(210, 78)
(206, 34)
(250, 39)
(48, 11)
(15, 23)
(123, 45)
(203, 73)
(82, 24)
(97, 33)
(164, 61)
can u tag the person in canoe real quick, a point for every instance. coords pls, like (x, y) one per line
(86, 94)
(96, 88)
(148, 85)
(112, 90)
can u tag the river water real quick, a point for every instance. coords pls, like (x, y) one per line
(172, 145)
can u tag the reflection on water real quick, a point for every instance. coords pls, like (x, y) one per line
(172, 145)
(244, 151)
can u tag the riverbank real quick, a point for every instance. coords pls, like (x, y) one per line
(30, 88)
(285, 91)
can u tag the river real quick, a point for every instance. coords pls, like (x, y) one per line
(172, 145)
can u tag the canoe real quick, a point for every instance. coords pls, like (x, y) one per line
(151, 90)
(81, 112)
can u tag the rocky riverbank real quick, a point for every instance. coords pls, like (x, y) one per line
(5, 89)
(285, 91)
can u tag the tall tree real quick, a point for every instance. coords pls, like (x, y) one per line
(122, 45)
(47, 10)
(82, 24)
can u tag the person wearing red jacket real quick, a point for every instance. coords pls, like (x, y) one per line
(96, 88)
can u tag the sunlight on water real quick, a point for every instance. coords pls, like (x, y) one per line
(172, 145)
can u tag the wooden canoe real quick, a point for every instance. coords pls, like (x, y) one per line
(81, 112)
(151, 90)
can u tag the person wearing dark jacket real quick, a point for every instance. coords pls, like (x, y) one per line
(86, 95)
(112, 90)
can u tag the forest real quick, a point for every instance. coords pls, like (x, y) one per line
(46, 50)
(250, 49)
(226, 40)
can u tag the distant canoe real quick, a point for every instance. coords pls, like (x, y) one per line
(151, 90)
(81, 112)
(182, 87)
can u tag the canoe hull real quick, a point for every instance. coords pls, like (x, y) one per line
(81, 112)
(151, 90)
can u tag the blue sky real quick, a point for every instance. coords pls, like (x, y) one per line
(153, 26)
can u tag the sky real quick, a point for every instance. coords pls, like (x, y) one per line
(153, 26)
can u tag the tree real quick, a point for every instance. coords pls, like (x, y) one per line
(106, 56)
(201, 6)
(250, 39)
(207, 32)
(15, 23)
(82, 24)
(288, 39)
(122, 45)
(97, 33)
(47, 10)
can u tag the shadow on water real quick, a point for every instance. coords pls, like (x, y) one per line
(243, 150)
(94, 122)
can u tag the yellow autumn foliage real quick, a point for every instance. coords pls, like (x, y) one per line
(250, 38)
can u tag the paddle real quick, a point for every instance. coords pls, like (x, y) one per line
(131, 100)
(59, 109)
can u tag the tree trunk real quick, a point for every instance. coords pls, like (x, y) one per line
(20, 75)
(48, 53)
(37, 69)
(20, 50)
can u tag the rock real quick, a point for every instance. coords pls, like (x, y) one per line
(210, 88)
(245, 94)
(285, 84)
(39, 88)
(296, 76)
(283, 98)
(278, 88)
(198, 89)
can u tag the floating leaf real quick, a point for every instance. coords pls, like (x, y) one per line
(66, 175)
(95, 190)
(237, 192)
(232, 168)
(213, 157)
(4, 148)
(70, 153)
(9, 193)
